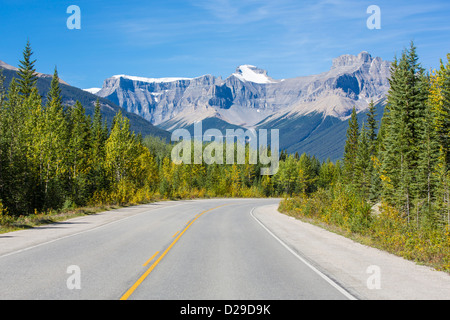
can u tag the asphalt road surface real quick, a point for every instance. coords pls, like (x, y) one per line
(191, 250)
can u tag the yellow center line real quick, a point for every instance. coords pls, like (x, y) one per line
(142, 278)
(175, 234)
(148, 261)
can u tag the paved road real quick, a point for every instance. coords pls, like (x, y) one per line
(202, 249)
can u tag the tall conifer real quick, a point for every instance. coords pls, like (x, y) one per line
(27, 72)
(351, 148)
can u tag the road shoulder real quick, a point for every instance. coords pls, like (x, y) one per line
(366, 272)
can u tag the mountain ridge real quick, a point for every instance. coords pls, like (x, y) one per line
(250, 98)
(249, 95)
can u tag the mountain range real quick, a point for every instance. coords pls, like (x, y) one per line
(311, 112)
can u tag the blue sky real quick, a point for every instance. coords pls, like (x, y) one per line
(171, 38)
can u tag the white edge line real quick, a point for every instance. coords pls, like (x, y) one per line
(325, 277)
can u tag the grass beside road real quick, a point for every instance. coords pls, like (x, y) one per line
(386, 231)
(11, 223)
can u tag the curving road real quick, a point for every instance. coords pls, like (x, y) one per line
(191, 250)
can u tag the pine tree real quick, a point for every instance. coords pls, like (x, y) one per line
(403, 124)
(363, 164)
(79, 145)
(16, 176)
(306, 174)
(55, 138)
(3, 140)
(443, 112)
(387, 139)
(98, 179)
(439, 100)
(351, 148)
(27, 73)
(372, 128)
(374, 178)
(326, 174)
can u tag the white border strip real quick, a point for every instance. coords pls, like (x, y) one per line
(325, 277)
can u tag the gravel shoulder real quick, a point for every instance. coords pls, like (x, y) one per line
(366, 272)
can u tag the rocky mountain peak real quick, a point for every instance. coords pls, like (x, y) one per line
(251, 73)
(347, 60)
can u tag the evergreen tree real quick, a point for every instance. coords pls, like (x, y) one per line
(55, 138)
(404, 123)
(374, 178)
(3, 140)
(27, 73)
(439, 100)
(351, 148)
(326, 174)
(372, 129)
(99, 131)
(16, 175)
(363, 164)
(79, 146)
(307, 173)
(443, 112)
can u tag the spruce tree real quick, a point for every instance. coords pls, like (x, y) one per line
(404, 126)
(443, 116)
(351, 148)
(3, 140)
(55, 139)
(363, 164)
(15, 135)
(99, 136)
(27, 73)
(79, 154)
(372, 136)
(439, 100)
(372, 128)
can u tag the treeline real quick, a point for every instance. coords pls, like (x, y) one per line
(54, 157)
(295, 174)
(394, 183)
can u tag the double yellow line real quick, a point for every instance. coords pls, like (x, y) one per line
(142, 278)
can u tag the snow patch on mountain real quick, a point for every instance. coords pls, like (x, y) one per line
(251, 73)
(92, 90)
(149, 80)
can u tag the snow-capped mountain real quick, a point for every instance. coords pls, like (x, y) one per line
(250, 97)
